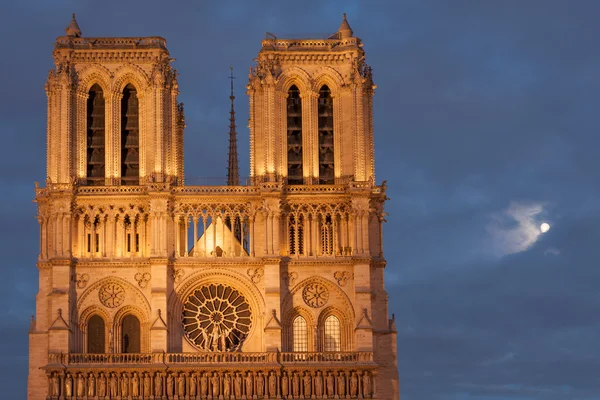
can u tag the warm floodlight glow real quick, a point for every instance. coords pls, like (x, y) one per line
(544, 227)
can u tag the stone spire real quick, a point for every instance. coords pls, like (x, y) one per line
(233, 174)
(73, 28)
(345, 31)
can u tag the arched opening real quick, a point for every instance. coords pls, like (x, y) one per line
(95, 335)
(294, 136)
(130, 334)
(332, 339)
(299, 334)
(296, 234)
(326, 166)
(130, 137)
(95, 136)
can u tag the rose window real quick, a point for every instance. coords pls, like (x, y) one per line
(111, 295)
(216, 317)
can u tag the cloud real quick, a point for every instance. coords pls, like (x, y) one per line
(515, 229)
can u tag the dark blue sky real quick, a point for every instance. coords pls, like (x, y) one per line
(486, 125)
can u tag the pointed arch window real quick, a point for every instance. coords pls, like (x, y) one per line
(299, 334)
(294, 137)
(95, 136)
(95, 335)
(326, 163)
(130, 334)
(296, 234)
(327, 235)
(130, 137)
(332, 334)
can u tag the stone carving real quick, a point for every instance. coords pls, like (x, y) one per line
(249, 383)
(55, 384)
(315, 295)
(135, 385)
(193, 385)
(226, 386)
(68, 386)
(91, 385)
(111, 295)
(260, 384)
(80, 385)
(81, 280)
(203, 385)
(296, 385)
(237, 385)
(142, 279)
(124, 384)
(290, 278)
(341, 385)
(114, 384)
(272, 385)
(181, 385)
(215, 385)
(353, 384)
(158, 391)
(102, 385)
(170, 385)
(330, 380)
(318, 384)
(366, 383)
(342, 277)
(255, 274)
(221, 323)
(285, 384)
(177, 274)
(307, 384)
(147, 384)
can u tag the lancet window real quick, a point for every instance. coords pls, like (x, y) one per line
(296, 234)
(332, 334)
(294, 136)
(130, 334)
(327, 235)
(299, 334)
(326, 159)
(95, 335)
(130, 137)
(95, 136)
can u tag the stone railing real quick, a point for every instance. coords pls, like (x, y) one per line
(125, 42)
(218, 358)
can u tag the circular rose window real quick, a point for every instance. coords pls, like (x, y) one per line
(216, 317)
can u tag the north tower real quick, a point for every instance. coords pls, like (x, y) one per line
(151, 289)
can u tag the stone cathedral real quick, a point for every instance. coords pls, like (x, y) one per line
(153, 289)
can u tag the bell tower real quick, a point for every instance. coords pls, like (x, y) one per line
(311, 110)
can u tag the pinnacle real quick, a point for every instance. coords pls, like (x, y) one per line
(345, 31)
(73, 28)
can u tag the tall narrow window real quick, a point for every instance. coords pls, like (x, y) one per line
(95, 136)
(95, 335)
(130, 137)
(300, 334)
(130, 334)
(326, 235)
(326, 170)
(296, 234)
(332, 339)
(294, 136)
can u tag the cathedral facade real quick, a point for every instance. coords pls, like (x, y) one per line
(153, 289)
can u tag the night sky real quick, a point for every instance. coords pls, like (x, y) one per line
(486, 125)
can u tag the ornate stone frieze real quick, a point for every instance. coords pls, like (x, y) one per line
(315, 294)
(142, 279)
(255, 274)
(111, 295)
(81, 280)
(342, 277)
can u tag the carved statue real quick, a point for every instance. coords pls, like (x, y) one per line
(366, 379)
(68, 386)
(215, 385)
(55, 384)
(124, 384)
(226, 386)
(181, 385)
(80, 385)
(296, 384)
(318, 384)
(341, 384)
(102, 385)
(91, 385)
(214, 336)
(203, 385)
(237, 385)
(249, 384)
(170, 385)
(353, 385)
(285, 382)
(330, 379)
(272, 385)
(158, 390)
(204, 338)
(223, 338)
(307, 384)
(114, 387)
(193, 385)
(260, 384)
(135, 385)
(147, 385)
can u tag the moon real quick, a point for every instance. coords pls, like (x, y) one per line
(545, 227)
